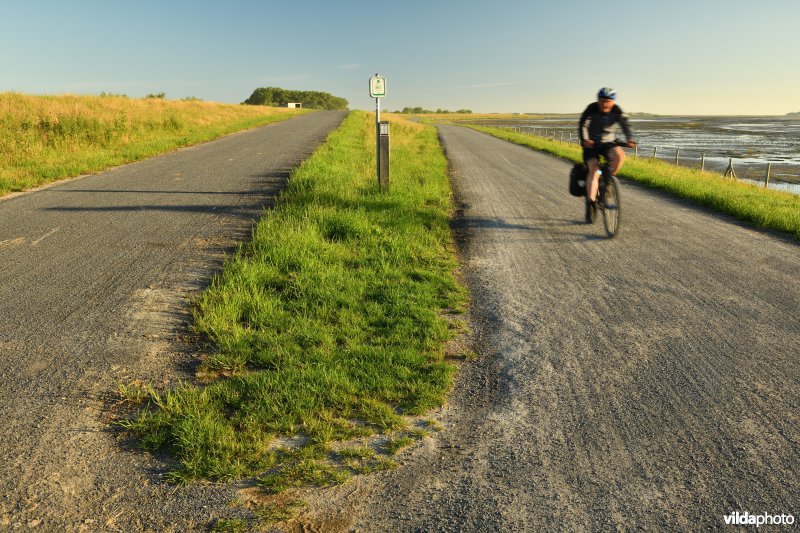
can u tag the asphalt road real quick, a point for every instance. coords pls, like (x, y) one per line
(648, 382)
(95, 282)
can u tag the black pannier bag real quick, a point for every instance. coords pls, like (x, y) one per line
(577, 180)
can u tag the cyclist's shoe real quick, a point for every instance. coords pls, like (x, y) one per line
(591, 212)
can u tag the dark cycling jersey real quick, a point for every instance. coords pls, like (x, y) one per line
(602, 127)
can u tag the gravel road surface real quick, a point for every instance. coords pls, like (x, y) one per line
(96, 278)
(648, 382)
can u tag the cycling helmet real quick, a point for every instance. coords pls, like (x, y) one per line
(607, 92)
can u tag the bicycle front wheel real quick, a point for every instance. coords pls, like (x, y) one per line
(611, 206)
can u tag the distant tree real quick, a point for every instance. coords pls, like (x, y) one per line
(160, 96)
(415, 111)
(423, 111)
(277, 97)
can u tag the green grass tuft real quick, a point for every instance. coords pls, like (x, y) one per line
(393, 446)
(230, 525)
(279, 511)
(330, 324)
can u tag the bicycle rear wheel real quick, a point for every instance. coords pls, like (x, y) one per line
(611, 205)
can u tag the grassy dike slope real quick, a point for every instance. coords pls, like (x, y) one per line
(761, 207)
(46, 138)
(330, 325)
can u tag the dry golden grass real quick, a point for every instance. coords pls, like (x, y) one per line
(45, 138)
(20, 106)
(402, 130)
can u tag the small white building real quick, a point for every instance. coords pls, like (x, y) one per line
(294, 105)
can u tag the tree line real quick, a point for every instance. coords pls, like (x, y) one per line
(422, 111)
(277, 97)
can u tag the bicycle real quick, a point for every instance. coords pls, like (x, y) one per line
(609, 199)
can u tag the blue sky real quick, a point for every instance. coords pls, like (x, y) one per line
(668, 57)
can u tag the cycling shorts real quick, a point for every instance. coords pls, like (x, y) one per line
(596, 152)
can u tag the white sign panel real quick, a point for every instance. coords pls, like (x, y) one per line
(377, 86)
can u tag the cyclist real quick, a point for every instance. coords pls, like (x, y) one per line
(597, 128)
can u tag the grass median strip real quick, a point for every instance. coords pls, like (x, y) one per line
(46, 138)
(755, 205)
(330, 326)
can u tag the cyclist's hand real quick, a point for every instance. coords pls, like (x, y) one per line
(588, 143)
(631, 144)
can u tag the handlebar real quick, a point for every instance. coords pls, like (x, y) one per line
(614, 143)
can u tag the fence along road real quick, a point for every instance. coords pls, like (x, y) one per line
(779, 175)
(647, 382)
(96, 278)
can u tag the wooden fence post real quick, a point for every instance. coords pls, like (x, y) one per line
(655, 151)
(769, 168)
(703, 161)
(729, 172)
(677, 155)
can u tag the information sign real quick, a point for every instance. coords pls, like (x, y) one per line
(377, 87)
